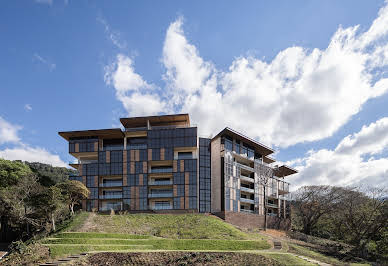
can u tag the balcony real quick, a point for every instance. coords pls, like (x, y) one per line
(247, 179)
(111, 196)
(271, 205)
(250, 201)
(159, 170)
(249, 190)
(160, 183)
(247, 211)
(111, 184)
(112, 207)
(160, 195)
(246, 167)
(161, 207)
(272, 214)
(283, 188)
(136, 146)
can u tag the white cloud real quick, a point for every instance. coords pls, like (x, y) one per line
(28, 107)
(137, 96)
(113, 36)
(350, 162)
(302, 95)
(30, 154)
(21, 151)
(8, 132)
(51, 66)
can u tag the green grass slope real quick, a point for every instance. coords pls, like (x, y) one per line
(182, 226)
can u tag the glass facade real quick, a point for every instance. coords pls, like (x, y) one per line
(204, 175)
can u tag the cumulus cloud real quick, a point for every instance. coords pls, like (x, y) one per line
(21, 151)
(31, 154)
(8, 132)
(137, 96)
(302, 95)
(350, 162)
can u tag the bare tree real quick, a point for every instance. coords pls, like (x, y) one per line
(364, 213)
(264, 174)
(312, 202)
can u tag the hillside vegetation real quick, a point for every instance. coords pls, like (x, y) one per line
(183, 226)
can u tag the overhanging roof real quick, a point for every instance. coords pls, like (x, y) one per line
(261, 148)
(285, 170)
(105, 133)
(268, 159)
(158, 120)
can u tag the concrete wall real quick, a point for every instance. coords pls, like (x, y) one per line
(216, 175)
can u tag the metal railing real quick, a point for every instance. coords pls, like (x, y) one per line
(161, 170)
(163, 207)
(246, 167)
(109, 208)
(136, 146)
(160, 195)
(247, 200)
(249, 190)
(271, 205)
(244, 210)
(161, 183)
(248, 179)
(111, 184)
(111, 196)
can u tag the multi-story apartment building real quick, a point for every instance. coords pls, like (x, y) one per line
(159, 163)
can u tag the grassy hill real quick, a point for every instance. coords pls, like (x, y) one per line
(183, 226)
(140, 239)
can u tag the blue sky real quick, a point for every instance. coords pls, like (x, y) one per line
(73, 65)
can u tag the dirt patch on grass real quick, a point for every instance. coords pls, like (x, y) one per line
(276, 233)
(179, 258)
(89, 225)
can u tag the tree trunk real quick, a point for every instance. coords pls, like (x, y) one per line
(72, 209)
(265, 212)
(53, 221)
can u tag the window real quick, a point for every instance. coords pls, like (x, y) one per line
(185, 155)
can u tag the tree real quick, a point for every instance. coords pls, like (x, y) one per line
(363, 215)
(73, 192)
(312, 202)
(11, 172)
(49, 203)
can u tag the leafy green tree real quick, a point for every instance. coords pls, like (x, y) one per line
(49, 203)
(73, 192)
(11, 172)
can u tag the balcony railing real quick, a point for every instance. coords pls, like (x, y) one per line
(136, 146)
(249, 190)
(244, 210)
(109, 208)
(246, 178)
(111, 196)
(162, 207)
(160, 195)
(161, 170)
(160, 183)
(271, 205)
(111, 184)
(246, 167)
(250, 201)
